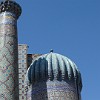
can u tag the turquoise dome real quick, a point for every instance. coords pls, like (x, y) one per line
(53, 66)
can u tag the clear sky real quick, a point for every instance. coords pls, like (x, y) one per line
(71, 28)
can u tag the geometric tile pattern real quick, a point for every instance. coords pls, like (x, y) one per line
(52, 90)
(22, 67)
(8, 57)
(24, 61)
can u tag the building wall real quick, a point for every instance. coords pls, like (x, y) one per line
(22, 60)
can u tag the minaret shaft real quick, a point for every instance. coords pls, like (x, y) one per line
(9, 87)
(8, 57)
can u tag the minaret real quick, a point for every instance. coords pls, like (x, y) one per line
(9, 13)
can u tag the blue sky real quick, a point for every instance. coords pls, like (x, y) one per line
(71, 28)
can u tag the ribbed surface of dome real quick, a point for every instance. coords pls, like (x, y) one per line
(53, 66)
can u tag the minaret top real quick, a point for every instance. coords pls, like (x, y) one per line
(10, 6)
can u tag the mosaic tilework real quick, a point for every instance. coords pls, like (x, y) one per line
(22, 60)
(52, 90)
(8, 57)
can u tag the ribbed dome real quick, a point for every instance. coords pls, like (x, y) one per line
(53, 66)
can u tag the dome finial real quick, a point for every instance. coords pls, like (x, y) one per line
(51, 50)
